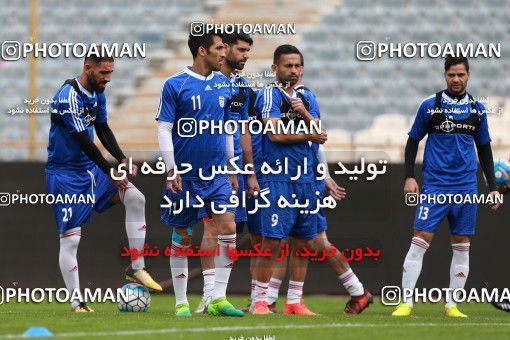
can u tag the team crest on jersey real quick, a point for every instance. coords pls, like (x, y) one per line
(290, 114)
(447, 126)
(222, 101)
(89, 119)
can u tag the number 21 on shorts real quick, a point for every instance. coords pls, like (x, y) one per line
(68, 214)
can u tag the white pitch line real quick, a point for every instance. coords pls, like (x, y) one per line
(252, 328)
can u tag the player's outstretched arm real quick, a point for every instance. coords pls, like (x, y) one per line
(411, 186)
(487, 163)
(92, 152)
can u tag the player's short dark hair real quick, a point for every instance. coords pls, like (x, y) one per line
(96, 54)
(286, 49)
(451, 61)
(96, 59)
(233, 38)
(205, 41)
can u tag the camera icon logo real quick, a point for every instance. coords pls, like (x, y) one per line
(11, 50)
(411, 199)
(187, 127)
(365, 50)
(197, 28)
(5, 199)
(391, 295)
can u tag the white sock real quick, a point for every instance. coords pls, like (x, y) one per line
(223, 264)
(208, 282)
(261, 291)
(459, 269)
(253, 290)
(273, 290)
(295, 292)
(351, 283)
(179, 269)
(134, 202)
(412, 265)
(68, 261)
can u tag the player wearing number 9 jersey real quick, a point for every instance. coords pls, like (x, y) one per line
(455, 123)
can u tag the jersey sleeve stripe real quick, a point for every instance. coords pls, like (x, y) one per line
(268, 99)
(73, 105)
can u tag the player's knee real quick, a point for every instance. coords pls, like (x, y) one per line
(255, 239)
(134, 198)
(460, 239)
(182, 236)
(271, 243)
(427, 237)
(70, 239)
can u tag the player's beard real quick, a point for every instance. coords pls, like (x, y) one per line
(236, 65)
(94, 84)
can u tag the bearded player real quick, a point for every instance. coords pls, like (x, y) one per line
(75, 166)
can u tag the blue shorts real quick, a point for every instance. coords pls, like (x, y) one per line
(322, 223)
(217, 191)
(461, 217)
(283, 222)
(79, 183)
(240, 211)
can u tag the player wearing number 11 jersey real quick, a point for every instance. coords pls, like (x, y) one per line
(195, 94)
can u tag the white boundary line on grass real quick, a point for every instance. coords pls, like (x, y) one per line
(256, 328)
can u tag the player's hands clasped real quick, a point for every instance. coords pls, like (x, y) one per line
(411, 186)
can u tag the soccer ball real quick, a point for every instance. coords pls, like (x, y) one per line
(502, 172)
(138, 298)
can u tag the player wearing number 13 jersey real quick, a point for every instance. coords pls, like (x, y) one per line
(455, 123)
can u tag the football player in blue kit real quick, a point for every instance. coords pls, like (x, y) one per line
(455, 123)
(360, 298)
(280, 103)
(238, 47)
(188, 98)
(75, 166)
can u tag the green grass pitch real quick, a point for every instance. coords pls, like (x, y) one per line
(160, 323)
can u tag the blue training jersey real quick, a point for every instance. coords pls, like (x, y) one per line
(187, 98)
(449, 161)
(314, 105)
(239, 108)
(273, 102)
(256, 138)
(73, 112)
